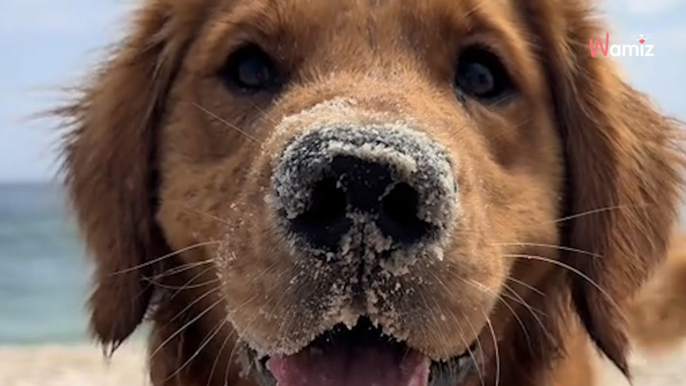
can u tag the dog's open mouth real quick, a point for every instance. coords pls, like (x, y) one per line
(362, 356)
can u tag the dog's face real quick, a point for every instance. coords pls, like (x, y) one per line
(372, 172)
(371, 186)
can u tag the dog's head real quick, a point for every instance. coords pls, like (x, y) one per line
(375, 190)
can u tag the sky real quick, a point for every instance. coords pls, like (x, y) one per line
(47, 44)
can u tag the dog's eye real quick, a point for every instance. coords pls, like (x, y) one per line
(480, 74)
(251, 69)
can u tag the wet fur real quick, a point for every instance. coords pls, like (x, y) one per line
(152, 155)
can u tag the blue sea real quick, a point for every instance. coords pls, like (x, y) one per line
(44, 275)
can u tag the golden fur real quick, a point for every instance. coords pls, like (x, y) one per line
(568, 189)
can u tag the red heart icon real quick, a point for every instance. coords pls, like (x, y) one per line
(642, 41)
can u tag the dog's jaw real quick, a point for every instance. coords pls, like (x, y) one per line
(362, 355)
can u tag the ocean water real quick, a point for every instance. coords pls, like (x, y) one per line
(44, 275)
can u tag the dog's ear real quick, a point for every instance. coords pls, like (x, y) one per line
(657, 317)
(623, 170)
(110, 165)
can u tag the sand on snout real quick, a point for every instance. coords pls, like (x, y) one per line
(72, 365)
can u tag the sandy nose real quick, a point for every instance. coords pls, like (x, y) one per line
(332, 179)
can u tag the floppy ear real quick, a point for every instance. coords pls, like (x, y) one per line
(657, 320)
(623, 169)
(110, 166)
(624, 172)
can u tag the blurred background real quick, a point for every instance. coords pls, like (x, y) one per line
(47, 44)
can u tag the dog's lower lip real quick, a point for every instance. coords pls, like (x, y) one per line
(363, 360)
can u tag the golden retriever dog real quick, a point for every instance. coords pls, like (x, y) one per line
(368, 192)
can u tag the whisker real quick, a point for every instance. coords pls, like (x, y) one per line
(241, 336)
(474, 284)
(495, 347)
(237, 343)
(264, 113)
(501, 299)
(182, 328)
(518, 299)
(171, 254)
(515, 126)
(527, 285)
(229, 124)
(194, 302)
(532, 310)
(511, 128)
(426, 304)
(216, 360)
(598, 210)
(284, 322)
(184, 287)
(181, 268)
(198, 211)
(213, 333)
(552, 246)
(573, 270)
(143, 290)
(464, 316)
(189, 281)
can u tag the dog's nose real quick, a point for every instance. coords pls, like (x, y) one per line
(356, 186)
(333, 182)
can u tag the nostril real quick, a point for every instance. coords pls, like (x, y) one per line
(400, 204)
(327, 203)
(324, 222)
(399, 215)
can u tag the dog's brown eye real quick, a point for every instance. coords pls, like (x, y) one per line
(480, 74)
(251, 69)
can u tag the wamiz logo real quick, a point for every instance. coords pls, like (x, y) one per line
(642, 48)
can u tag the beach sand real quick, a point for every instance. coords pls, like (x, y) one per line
(664, 368)
(85, 366)
(81, 365)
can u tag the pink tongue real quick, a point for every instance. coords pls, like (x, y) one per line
(377, 365)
